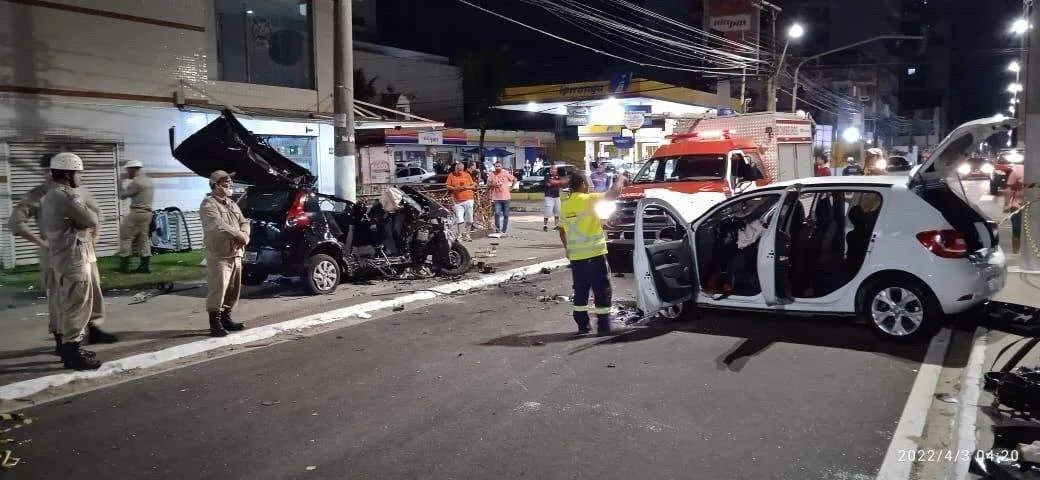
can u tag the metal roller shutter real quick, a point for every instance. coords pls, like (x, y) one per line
(100, 176)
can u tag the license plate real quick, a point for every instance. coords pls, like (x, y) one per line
(249, 257)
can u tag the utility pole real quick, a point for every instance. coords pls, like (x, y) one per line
(345, 166)
(1031, 229)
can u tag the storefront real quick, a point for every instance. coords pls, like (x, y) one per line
(602, 109)
(437, 150)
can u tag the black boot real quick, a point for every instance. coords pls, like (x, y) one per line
(225, 321)
(143, 268)
(57, 344)
(96, 335)
(124, 264)
(76, 358)
(603, 325)
(215, 328)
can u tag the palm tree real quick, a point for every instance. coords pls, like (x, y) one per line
(364, 88)
(483, 75)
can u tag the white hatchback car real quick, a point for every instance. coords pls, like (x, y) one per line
(897, 251)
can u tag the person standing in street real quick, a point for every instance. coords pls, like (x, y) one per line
(462, 187)
(134, 235)
(601, 182)
(853, 168)
(69, 225)
(1013, 204)
(823, 167)
(225, 234)
(582, 235)
(501, 192)
(29, 209)
(552, 184)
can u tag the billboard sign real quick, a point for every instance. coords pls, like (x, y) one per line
(734, 20)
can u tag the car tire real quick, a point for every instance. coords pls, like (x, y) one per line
(899, 309)
(456, 262)
(322, 274)
(252, 276)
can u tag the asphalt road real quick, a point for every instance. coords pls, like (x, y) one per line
(495, 385)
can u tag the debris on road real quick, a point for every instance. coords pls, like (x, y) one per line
(546, 270)
(270, 403)
(946, 397)
(611, 365)
(311, 467)
(364, 315)
(399, 308)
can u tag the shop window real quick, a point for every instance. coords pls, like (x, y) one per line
(266, 42)
(302, 150)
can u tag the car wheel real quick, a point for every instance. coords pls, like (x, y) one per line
(457, 261)
(322, 275)
(899, 309)
(252, 276)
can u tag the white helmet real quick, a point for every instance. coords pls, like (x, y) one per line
(133, 164)
(66, 161)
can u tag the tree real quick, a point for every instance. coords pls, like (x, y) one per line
(364, 88)
(483, 75)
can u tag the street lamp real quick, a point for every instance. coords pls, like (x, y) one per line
(797, 69)
(1014, 66)
(850, 135)
(1015, 87)
(794, 32)
(1020, 26)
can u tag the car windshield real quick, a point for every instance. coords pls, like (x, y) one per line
(683, 167)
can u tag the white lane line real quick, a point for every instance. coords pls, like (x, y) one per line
(965, 433)
(915, 412)
(361, 313)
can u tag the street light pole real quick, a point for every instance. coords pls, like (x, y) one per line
(793, 33)
(345, 162)
(798, 68)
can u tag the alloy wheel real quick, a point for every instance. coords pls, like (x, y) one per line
(325, 275)
(897, 311)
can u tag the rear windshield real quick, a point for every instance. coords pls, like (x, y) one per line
(265, 203)
(683, 167)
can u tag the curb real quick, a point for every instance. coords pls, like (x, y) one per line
(361, 313)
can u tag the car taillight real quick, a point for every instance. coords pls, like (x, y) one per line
(944, 243)
(298, 216)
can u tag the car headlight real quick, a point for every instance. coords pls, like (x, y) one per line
(987, 168)
(881, 164)
(964, 169)
(605, 209)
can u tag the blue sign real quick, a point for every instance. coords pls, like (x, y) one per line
(624, 142)
(646, 109)
(620, 83)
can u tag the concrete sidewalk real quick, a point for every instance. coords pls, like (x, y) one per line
(178, 317)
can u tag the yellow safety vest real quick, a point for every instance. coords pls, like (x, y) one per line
(585, 238)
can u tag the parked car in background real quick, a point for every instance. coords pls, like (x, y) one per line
(975, 168)
(413, 175)
(899, 252)
(1006, 159)
(537, 177)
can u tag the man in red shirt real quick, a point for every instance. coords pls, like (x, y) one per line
(823, 168)
(501, 192)
(462, 186)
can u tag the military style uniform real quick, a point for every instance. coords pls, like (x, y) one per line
(68, 222)
(223, 228)
(134, 234)
(29, 209)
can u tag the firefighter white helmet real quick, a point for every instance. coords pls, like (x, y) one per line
(133, 164)
(66, 161)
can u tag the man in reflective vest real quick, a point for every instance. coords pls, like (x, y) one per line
(581, 232)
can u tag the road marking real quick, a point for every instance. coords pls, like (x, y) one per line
(915, 412)
(354, 315)
(986, 198)
(964, 427)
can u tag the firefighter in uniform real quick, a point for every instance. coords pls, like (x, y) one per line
(581, 232)
(134, 235)
(29, 209)
(225, 233)
(69, 225)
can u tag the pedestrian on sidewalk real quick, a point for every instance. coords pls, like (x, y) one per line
(501, 192)
(582, 235)
(134, 233)
(69, 227)
(29, 208)
(1013, 203)
(552, 183)
(462, 186)
(225, 234)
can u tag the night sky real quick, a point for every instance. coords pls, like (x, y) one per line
(982, 46)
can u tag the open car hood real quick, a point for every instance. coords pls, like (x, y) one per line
(226, 145)
(949, 153)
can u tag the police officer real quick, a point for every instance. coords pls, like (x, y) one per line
(134, 232)
(581, 232)
(29, 209)
(225, 233)
(68, 225)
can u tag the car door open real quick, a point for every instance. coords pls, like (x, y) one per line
(774, 258)
(665, 267)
